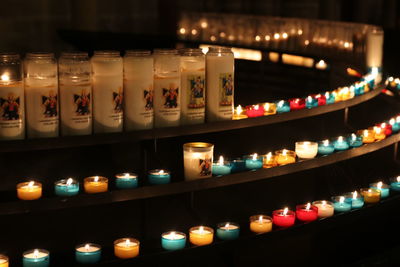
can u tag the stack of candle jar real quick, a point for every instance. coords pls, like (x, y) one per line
(108, 93)
(126, 248)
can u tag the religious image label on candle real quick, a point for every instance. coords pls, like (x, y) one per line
(126, 248)
(88, 253)
(201, 235)
(197, 160)
(173, 240)
(36, 258)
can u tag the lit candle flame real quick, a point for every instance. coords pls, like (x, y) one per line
(284, 152)
(87, 247)
(383, 125)
(260, 218)
(353, 137)
(309, 99)
(36, 253)
(96, 178)
(239, 110)
(398, 119)
(379, 185)
(266, 106)
(5, 77)
(127, 242)
(221, 161)
(31, 183)
(354, 194)
(280, 103)
(256, 107)
(173, 235)
(365, 133)
(69, 181)
(323, 202)
(285, 211)
(201, 229)
(255, 156)
(341, 199)
(308, 206)
(369, 190)
(378, 130)
(398, 179)
(392, 121)
(340, 139)
(161, 172)
(227, 225)
(269, 156)
(327, 94)
(326, 142)
(126, 175)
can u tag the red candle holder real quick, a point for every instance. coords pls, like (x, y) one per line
(283, 218)
(306, 212)
(297, 103)
(386, 127)
(321, 99)
(254, 111)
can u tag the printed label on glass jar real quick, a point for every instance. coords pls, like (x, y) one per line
(226, 89)
(195, 91)
(76, 106)
(11, 110)
(167, 98)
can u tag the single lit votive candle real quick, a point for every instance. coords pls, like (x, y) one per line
(341, 144)
(306, 212)
(3, 260)
(221, 167)
(325, 208)
(260, 224)
(269, 109)
(201, 235)
(395, 184)
(368, 136)
(285, 156)
(355, 140)
(283, 217)
(126, 180)
(126, 248)
(228, 231)
(29, 190)
(306, 149)
(371, 195)
(95, 184)
(325, 148)
(88, 253)
(269, 161)
(384, 188)
(159, 176)
(253, 161)
(173, 240)
(340, 204)
(379, 133)
(66, 187)
(238, 113)
(36, 258)
(355, 199)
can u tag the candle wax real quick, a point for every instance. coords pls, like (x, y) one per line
(261, 226)
(39, 259)
(306, 215)
(281, 220)
(282, 106)
(66, 190)
(371, 195)
(253, 164)
(201, 237)
(385, 189)
(171, 241)
(325, 208)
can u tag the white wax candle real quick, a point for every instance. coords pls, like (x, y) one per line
(229, 227)
(197, 162)
(37, 254)
(325, 208)
(88, 248)
(374, 50)
(12, 111)
(173, 236)
(306, 150)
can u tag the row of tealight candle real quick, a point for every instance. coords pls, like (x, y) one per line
(340, 94)
(125, 248)
(307, 149)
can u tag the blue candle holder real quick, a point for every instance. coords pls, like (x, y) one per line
(238, 165)
(359, 88)
(126, 180)
(340, 144)
(159, 176)
(384, 188)
(395, 184)
(253, 162)
(330, 98)
(173, 240)
(395, 125)
(88, 253)
(36, 258)
(355, 199)
(228, 231)
(221, 168)
(311, 102)
(66, 187)
(340, 205)
(325, 148)
(355, 140)
(282, 106)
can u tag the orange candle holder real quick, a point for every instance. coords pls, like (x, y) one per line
(95, 184)
(238, 113)
(371, 195)
(379, 133)
(201, 235)
(29, 190)
(368, 136)
(4, 260)
(285, 156)
(260, 224)
(126, 248)
(269, 161)
(269, 108)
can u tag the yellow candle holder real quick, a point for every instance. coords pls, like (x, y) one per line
(238, 113)
(337, 95)
(269, 161)
(371, 195)
(378, 133)
(260, 224)
(285, 156)
(201, 235)
(126, 248)
(95, 184)
(368, 136)
(269, 108)
(29, 190)
(4, 260)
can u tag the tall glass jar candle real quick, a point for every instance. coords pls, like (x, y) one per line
(76, 97)
(12, 99)
(138, 90)
(41, 95)
(193, 86)
(107, 69)
(197, 160)
(167, 95)
(220, 83)
(374, 50)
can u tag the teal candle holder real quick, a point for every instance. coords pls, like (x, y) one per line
(330, 98)
(159, 176)
(253, 162)
(238, 165)
(359, 88)
(173, 240)
(66, 187)
(341, 144)
(355, 140)
(395, 125)
(36, 258)
(228, 231)
(325, 148)
(311, 102)
(88, 253)
(355, 199)
(340, 204)
(282, 106)
(384, 188)
(395, 183)
(221, 168)
(126, 180)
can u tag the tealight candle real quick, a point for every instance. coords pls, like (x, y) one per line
(283, 217)
(201, 235)
(126, 180)
(395, 125)
(325, 147)
(238, 165)
(340, 204)
(282, 106)
(337, 95)
(321, 99)
(159, 176)
(371, 195)
(88, 253)
(29, 190)
(379, 134)
(285, 156)
(238, 113)
(3, 260)
(340, 144)
(260, 224)
(254, 111)
(354, 199)
(384, 188)
(173, 240)
(95, 184)
(368, 136)
(221, 167)
(228, 231)
(355, 140)
(330, 98)
(306, 212)
(269, 109)
(253, 161)
(36, 258)
(325, 208)
(297, 103)
(306, 149)
(395, 184)
(311, 102)
(359, 88)
(66, 187)
(269, 161)
(126, 248)
(386, 128)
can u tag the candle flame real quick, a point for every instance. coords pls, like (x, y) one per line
(354, 194)
(87, 247)
(308, 206)
(365, 133)
(69, 181)
(285, 211)
(5, 77)
(127, 174)
(256, 107)
(309, 99)
(392, 121)
(327, 94)
(369, 191)
(284, 152)
(398, 179)
(127, 242)
(340, 139)
(269, 156)
(260, 218)
(353, 137)
(173, 235)
(326, 142)
(280, 103)
(306, 143)
(383, 125)
(31, 183)
(201, 229)
(378, 130)
(379, 185)
(96, 178)
(255, 156)
(36, 253)
(239, 110)
(323, 202)
(227, 225)
(398, 119)
(161, 172)
(341, 199)
(266, 106)
(221, 161)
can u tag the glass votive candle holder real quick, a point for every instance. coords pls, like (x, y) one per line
(159, 176)
(283, 217)
(95, 184)
(238, 113)
(395, 183)
(36, 258)
(282, 106)
(253, 161)
(197, 160)
(306, 212)
(341, 144)
(297, 103)
(88, 253)
(260, 224)
(228, 231)
(371, 195)
(386, 128)
(321, 99)
(253, 111)
(285, 156)
(311, 102)
(31, 190)
(173, 240)
(269, 108)
(355, 140)
(201, 235)
(359, 88)
(395, 125)
(126, 248)
(355, 199)
(238, 165)
(269, 161)
(325, 147)
(379, 133)
(340, 204)
(221, 167)
(330, 98)
(337, 95)
(4, 262)
(306, 149)
(126, 180)
(66, 187)
(325, 208)
(384, 188)
(368, 136)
